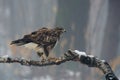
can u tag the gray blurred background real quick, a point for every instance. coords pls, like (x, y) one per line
(92, 26)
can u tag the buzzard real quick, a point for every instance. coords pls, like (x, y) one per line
(42, 40)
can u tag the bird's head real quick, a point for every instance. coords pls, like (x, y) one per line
(60, 30)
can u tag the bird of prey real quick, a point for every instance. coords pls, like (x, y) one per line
(42, 40)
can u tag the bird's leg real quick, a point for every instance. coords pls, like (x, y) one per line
(41, 56)
(43, 59)
(48, 59)
(40, 53)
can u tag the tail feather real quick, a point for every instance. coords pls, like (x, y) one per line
(20, 42)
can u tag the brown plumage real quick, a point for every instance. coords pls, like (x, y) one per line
(42, 40)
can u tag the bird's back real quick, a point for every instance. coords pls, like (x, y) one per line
(45, 36)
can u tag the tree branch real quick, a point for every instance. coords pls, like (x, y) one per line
(51, 61)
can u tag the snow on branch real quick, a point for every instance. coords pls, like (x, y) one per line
(51, 61)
